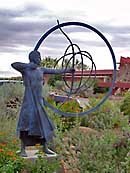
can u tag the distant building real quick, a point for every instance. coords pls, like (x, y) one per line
(104, 77)
(123, 74)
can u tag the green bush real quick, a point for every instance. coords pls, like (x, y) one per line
(11, 162)
(104, 152)
(59, 85)
(125, 106)
(100, 90)
(10, 99)
(53, 79)
(107, 116)
(70, 106)
(9, 91)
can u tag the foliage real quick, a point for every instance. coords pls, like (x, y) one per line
(97, 152)
(70, 106)
(101, 90)
(48, 62)
(11, 162)
(106, 117)
(98, 89)
(104, 154)
(42, 165)
(105, 151)
(8, 91)
(46, 90)
(10, 99)
(53, 79)
(59, 85)
(125, 106)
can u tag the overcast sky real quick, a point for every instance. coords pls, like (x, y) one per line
(22, 23)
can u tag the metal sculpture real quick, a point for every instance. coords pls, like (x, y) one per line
(82, 53)
(34, 126)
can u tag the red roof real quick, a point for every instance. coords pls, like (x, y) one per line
(125, 85)
(88, 72)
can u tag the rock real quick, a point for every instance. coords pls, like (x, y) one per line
(87, 130)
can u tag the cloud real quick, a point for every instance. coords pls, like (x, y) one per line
(15, 31)
(23, 27)
(120, 34)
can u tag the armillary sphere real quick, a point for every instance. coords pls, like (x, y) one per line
(72, 51)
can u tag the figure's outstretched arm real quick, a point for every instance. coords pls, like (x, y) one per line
(21, 67)
(57, 71)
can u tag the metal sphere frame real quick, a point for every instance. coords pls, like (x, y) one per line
(44, 36)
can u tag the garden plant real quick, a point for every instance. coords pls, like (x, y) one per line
(96, 143)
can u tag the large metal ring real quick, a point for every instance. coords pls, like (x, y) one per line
(113, 59)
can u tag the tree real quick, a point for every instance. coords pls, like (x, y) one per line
(48, 62)
(79, 65)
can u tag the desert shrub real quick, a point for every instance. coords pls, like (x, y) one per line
(7, 127)
(53, 80)
(42, 165)
(98, 89)
(107, 116)
(125, 105)
(98, 152)
(101, 90)
(9, 91)
(70, 106)
(10, 100)
(46, 90)
(59, 85)
(104, 154)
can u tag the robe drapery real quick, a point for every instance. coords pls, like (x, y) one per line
(33, 118)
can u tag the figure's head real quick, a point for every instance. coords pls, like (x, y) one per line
(35, 57)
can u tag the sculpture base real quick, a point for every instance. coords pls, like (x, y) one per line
(33, 156)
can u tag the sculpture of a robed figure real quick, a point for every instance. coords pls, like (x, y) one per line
(34, 125)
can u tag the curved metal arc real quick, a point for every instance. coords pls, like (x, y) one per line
(71, 44)
(73, 59)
